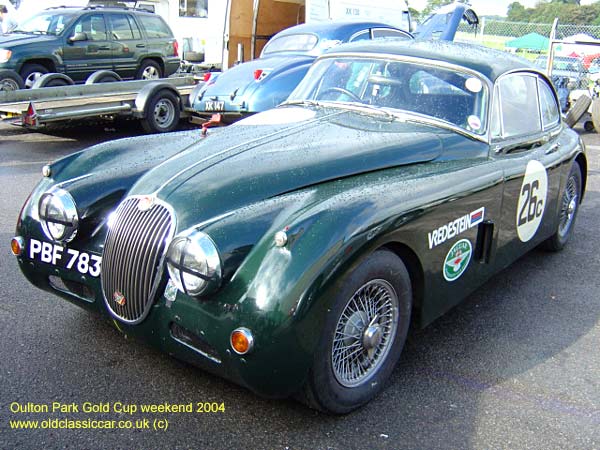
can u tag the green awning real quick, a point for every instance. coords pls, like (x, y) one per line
(531, 41)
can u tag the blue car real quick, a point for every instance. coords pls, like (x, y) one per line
(267, 81)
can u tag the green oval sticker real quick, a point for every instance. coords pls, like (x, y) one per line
(457, 259)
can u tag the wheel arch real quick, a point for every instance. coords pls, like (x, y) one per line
(157, 59)
(148, 91)
(415, 271)
(583, 165)
(48, 63)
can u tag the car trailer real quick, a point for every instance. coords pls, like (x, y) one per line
(157, 104)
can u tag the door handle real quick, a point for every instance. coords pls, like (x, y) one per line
(140, 46)
(553, 148)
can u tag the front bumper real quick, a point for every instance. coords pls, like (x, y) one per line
(197, 331)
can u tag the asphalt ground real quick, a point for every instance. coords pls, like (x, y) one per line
(515, 366)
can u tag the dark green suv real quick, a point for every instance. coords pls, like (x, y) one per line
(79, 41)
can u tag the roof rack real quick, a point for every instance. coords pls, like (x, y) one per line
(127, 8)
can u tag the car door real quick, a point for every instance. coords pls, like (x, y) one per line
(527, 140)
(127, 43)
(93, 52)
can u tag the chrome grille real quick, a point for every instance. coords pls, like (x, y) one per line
(132, 259)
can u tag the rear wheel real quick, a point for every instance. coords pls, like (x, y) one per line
(149, 70)
(363, 336)
(162, 113)
(569, 205)
(31, 72)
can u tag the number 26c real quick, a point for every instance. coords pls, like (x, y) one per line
(532, 207)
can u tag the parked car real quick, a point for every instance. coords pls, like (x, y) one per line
(567, 67)
(267, 81)
(290, 251)
(79, 41)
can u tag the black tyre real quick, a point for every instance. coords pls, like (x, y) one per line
(162, 113)
(577, 110)
(149, 70)
(596, 114)
(10, 80)
(31, 72)
(363, 335)
(569, 205)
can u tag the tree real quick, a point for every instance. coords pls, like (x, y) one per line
(517, 13)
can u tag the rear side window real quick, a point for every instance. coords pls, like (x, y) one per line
(550, 112)
(291, 43)
(519, 104)
(123, 27)
(389, 33)
(155, 27)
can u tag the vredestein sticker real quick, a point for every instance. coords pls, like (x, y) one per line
(532, 200)
(457, 260)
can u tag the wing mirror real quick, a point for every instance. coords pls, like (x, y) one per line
(77, 37)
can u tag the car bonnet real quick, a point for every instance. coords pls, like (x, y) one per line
(280, 151)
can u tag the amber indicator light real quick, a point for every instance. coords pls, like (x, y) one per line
(241, 341)
(16, 247)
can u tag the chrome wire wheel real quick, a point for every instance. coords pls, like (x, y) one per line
(568, 208)
(364, 333)
(164, 112)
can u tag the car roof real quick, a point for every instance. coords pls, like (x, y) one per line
(333, 27)
(488, 62)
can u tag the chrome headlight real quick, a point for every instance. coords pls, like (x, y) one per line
(194, 264)
(5, 55)
(58, 215)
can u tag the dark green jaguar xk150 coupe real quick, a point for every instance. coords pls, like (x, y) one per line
(290, 252)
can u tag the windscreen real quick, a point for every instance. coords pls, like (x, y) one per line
(452, 96)
(46, 22)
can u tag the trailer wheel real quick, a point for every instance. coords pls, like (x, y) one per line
(149, 70)
(10, 80)
(31, 72)
(162, 113)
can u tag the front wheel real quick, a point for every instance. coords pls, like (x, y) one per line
(31, 72)
(569, 205)
(363, 336)
(10, 81)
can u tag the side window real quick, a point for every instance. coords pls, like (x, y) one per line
(93, 26)
(155, 27)
(121, 27)
(389, 33)
(519, 105)
(364, 35)
(550, 112)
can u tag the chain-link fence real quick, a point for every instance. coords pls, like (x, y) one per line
(532, 39)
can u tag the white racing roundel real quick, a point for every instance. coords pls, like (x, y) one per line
(532, 200)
